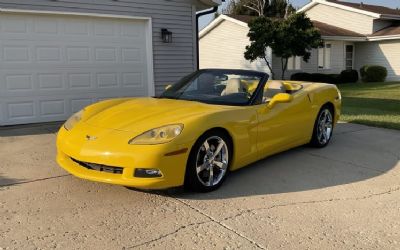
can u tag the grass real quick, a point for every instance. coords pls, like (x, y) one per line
(373, 104)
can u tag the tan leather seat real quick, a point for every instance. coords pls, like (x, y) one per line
(233, 86)
(273, 88)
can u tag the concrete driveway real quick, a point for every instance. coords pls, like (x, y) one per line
(346, 196)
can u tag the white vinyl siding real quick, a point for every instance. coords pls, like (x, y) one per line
(345, 19)
(383, 53)
(224, 47)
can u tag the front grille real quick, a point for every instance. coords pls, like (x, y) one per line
(99, 167)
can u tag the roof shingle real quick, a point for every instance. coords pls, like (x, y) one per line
(388, 31)
(368, 7)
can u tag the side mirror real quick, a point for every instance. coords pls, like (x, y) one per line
(168, 86)
(280, 98)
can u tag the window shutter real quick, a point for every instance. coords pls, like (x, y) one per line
(328, 56)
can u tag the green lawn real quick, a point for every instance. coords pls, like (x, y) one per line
(374, 104)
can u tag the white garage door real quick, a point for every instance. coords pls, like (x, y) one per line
(53, 65)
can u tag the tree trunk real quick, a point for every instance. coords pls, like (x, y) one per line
(287, 9)
(284, 62)
(270, 68)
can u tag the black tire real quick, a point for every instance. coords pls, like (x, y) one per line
(198, 154)
(320, 138)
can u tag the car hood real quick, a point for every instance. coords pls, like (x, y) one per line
(141, 114)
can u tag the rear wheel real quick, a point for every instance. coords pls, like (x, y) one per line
(323, 128)
(209, 162)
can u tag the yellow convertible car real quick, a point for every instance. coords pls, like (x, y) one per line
(209, 123)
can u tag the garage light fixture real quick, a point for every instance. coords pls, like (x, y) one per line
(166, 36)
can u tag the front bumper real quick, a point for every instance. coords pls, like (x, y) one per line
(111, 149)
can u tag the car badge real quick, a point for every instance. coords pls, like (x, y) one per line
(91, 138)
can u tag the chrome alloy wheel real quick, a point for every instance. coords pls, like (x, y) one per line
(212, 161)
(324, 127)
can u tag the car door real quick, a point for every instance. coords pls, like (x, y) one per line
(284, 125)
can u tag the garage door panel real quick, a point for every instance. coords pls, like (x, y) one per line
(47, 53)
(16, 53)
(50, 81)
(20, 110)
(52, 66)
(79, 103)
(14, 24)
(18, 82)
(52, 108)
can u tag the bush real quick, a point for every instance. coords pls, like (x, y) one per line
(373, 73)
(349, 76)
(326, 78)
(317, 77)
(301, 77)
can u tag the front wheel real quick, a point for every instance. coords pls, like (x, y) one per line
(208, 162)
(323, 128)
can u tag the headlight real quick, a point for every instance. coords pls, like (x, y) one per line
(74, 119)
(158, 135)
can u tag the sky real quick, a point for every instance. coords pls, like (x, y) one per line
(299, 3)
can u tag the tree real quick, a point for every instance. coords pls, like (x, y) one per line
(270, 8)
(294, 36)
(256, 5)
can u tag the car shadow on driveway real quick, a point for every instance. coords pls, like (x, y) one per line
(351, 157)
(30, 129)
(6, 181)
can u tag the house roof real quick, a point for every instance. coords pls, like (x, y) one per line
(324, 28)
(330, 30)
(327, 31)
(393, 30)
(376, 11)
(243, 18)
(368, 7)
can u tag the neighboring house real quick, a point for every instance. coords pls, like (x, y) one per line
(59, 56)
(354, 35)
(222, 44)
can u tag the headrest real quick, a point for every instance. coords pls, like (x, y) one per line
(233, 86)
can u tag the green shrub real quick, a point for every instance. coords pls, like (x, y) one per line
(349, 76)
(306, 77)
(373, 73)
(316, 77)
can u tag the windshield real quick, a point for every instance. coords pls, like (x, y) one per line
(225, 87)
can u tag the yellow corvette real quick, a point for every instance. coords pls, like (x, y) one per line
(210, 123)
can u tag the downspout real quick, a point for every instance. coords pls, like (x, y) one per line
(198, 15)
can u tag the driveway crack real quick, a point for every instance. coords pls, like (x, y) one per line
(311, 202)
(346, 162)
(176, 231)
(35, 180)
(258, 245)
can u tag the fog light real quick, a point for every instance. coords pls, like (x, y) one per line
(147, 172)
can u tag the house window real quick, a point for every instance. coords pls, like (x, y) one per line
(294, 63)
(324, 56)
(349, 56)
